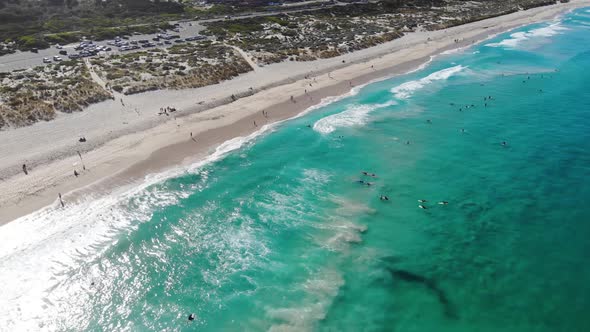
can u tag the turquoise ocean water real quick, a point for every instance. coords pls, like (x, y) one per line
(280, 235)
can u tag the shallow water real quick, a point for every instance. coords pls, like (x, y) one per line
(280, 235)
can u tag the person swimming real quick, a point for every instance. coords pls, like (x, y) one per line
(384, 198)
(504, 143)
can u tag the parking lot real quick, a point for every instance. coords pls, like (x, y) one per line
(24, 60)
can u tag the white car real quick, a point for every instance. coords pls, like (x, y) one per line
(46, 60)
(58, 46)
(56, 58)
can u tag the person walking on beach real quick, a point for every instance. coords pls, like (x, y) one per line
(25, 169)
(76, 173)
(60, 200)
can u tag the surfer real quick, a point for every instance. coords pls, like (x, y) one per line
(504, 143)
(384, 198)
(191, 317)
(422, 207)
(422, 201)
(443, 202)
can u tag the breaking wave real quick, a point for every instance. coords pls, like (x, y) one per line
(518, 37)
(406, 90)
(354, 115)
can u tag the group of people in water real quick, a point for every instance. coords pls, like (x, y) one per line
(422, 202)
(386, 198)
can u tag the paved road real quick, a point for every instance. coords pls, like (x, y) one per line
(24, 60)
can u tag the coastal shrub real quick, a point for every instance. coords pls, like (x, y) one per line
(63, 38)
(118, 88)
(30, 42)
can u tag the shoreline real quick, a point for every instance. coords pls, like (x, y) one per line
(150, 148)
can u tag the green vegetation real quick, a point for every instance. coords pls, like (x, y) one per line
(38, 23)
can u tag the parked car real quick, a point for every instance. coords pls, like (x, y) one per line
(63, 52)
(46, 60)
(57, 58)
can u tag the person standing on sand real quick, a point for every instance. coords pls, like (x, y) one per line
(60, 200)
(25, 169)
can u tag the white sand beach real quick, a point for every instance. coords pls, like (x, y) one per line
(127, 142)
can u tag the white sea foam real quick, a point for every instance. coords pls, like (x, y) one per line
(406, 90)
(37, 251)
(518, 38)
(354, 115)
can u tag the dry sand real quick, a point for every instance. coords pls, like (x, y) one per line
(126, 143)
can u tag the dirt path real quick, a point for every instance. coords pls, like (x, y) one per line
(246, 57)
